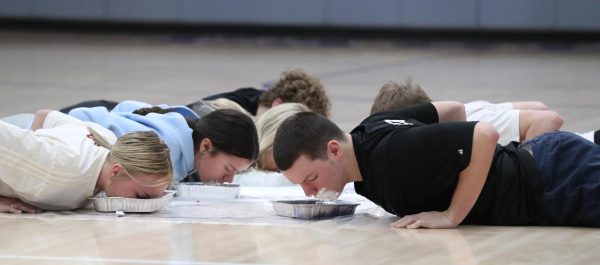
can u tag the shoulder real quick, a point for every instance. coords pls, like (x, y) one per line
(85, 110)
(53, 118)
(424, 113)
(130, 105)
(185, 112)
(89, 114)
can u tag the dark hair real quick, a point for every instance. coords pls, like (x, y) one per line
(305, 133)
(155, 109)
(230, 131)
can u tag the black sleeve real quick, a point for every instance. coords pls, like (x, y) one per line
(246, 97)
(90, 104)
(427, 160)
(425, 113)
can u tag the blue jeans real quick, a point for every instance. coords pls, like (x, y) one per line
(570, 168)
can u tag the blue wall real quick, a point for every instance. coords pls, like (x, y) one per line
(546, 15)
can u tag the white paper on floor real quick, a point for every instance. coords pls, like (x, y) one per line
(252, 207)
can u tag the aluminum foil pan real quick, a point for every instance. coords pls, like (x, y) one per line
(199, 190)
(313, 209)
(113, 204)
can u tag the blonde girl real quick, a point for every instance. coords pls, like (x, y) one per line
(267, 125)
(62, 161)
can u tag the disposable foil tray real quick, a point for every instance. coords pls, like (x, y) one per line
(199, 190)
(313, 209)
(102, 203)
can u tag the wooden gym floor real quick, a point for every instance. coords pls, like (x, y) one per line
(55, 69)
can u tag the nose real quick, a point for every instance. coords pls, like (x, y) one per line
(308, 190)
(228, 177)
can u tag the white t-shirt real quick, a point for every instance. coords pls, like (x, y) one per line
(502, 116)
(55, 167)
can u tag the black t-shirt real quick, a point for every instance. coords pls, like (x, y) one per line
(410, 164)
(246, 97)
(408, 161)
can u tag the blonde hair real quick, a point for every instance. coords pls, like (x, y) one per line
(394, 96)
(267, 125)
(140, 153)
(295, 85)
(223, 103)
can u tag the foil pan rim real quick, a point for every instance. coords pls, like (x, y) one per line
(102, 203)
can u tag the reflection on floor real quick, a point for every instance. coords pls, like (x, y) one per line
(246, 231)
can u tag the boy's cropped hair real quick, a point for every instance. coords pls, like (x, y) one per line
(394, 96)
(305, 133)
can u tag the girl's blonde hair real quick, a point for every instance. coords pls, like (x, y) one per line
(140, 153)
(223, 103)
(267, 125)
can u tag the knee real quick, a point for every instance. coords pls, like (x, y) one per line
(539, 105)
(553, 119)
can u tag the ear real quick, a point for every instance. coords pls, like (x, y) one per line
(334, 149)
(276, 102)
(116, 169)
(206, 145)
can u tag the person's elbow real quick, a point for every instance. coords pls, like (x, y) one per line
(39, 118)
(458, 111)
(553, 119)
(486, 133)
(41, 115)
(450, 110)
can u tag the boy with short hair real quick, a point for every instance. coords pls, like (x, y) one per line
(418, 163)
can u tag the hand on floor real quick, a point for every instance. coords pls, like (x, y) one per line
(11, 205)
(425, 220)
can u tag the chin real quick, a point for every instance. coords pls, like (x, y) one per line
(110, 193)
(328, 194)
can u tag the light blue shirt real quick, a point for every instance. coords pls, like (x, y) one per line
(171, 127)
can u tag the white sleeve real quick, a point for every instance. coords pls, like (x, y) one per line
(57, 118)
